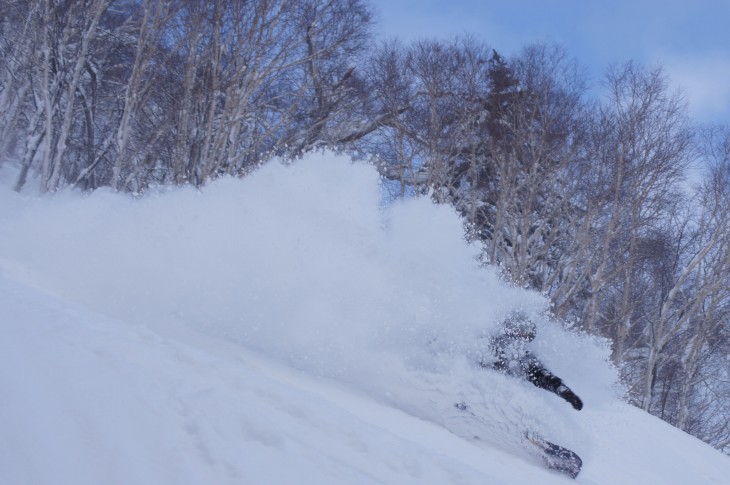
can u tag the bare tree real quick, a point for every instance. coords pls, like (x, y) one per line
(156, 91)
(641, 148)
(536, 142)
(22, 104)
(17, 46)
(66, 55)
(148, 26)
(263, 78)
(432, 97)
(499, 140)
(705, 335)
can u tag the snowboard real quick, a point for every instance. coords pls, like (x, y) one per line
(553, 456)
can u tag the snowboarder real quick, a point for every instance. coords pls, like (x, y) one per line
(513, 358)
(508, 353)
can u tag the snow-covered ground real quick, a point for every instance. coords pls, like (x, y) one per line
(286, 329)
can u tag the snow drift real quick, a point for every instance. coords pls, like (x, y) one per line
(300, 264)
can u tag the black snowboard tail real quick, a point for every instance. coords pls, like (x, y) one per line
(556, 457)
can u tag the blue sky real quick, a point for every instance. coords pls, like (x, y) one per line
(690, 38)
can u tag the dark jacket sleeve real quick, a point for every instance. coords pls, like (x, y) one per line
(539, 376)
(514, 360)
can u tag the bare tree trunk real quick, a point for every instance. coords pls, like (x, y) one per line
(17, 59)
(664, 328)
(156, 13)
(46, 90)
(597, 278)
(52, 167)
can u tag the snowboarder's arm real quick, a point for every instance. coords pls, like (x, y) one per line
(544, 379)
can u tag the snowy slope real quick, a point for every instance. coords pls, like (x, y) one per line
(257, 332)
(88, 400)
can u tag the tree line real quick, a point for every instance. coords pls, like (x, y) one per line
(583, 198)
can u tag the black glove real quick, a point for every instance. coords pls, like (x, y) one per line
(572, 398)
